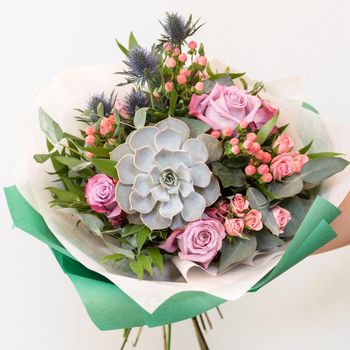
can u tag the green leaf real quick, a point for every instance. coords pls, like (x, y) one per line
(132, 41)
(157, 258)
(69, 161)
(72, 187)
(64, 195)
(201, 49)
(105, 166)
(228, 176)
(235, 251)
(100, 110)
(112, 257)
(41, 158)
(172, 102)
(197, 127)
(310, 108)
(288, 187)
(267, 241)
(306, 148)
(92, 222)
(140, 117)
(236, 161)
(209, 71)
(265, 131)
(319, 169)
(132, 229)
(146, 262)
(141, 237)
(224, 81)
(232, 76)
(52, 130)
(324, 155)
(259, 202)
(97, 151)
(122, 47)
(137, 268)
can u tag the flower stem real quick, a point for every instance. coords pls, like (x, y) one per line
(150, 88)
(220, 313)
(164, 337)
(168, 340)
(208, 320)
(201, 340)
(202, 322)
(126, 337)
(137, 337)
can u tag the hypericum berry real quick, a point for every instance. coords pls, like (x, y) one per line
(181, 79)
(215, 133)
(260, 155)
(255, 147)
(263, 169)
(90, 139)
(250, 170)
(247, 144)
(267, 158)
(89, 155)
(167, 47)
(251, 136)
(227, 132)
(185, 72)
(176, 51)
(170, 62)
(182, 58)
(234, 141)
(235, 149)
(267, 177)
(192, 45)
(243, 124)
(199, 86)
(90, 130)
(202, 60)
(169, 86)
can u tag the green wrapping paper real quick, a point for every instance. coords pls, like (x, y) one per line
(110, 308)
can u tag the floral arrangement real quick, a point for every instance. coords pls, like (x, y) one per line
(191, 163)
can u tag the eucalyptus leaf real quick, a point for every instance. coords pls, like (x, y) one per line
(259, 202)
(288, 187)
(267, 241)
(53, 131)
(92, 222)
(235, 251)
(41, 158)
(228, 176)
(140, 117)
(197, 127)
(324, 155)
(319, 169)
(100, 110)
(97, 151)
(310, 108)
(306, 148)
(225, 80)
(63, 194)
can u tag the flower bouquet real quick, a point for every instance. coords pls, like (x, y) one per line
(192, 187)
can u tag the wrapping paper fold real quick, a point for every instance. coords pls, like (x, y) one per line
(110, 308)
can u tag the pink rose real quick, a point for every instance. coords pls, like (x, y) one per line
(252, 220)
(282, 217)
(225, 107)
(300, 160)
(100, 193)
(199, 241)
(116, 217)
(284, 143)
(119, 106)
(239, 205)
(263, 115)
(234, 227)
(283, 165)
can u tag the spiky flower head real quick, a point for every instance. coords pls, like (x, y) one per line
(177, 29)
(143, 65)
(92, 115)
(134, 100)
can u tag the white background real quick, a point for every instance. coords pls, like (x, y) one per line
(306, 308)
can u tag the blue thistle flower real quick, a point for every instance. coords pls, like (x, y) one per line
(177, 29)
(143, 65)
(134, 100)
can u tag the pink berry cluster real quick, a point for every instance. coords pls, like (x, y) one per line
(94, 137)
(176, 63)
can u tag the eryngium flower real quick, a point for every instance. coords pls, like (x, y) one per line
(163, 177)
(177, 29)
(143, 65)
(134, 100)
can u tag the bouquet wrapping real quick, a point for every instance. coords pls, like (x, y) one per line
(178, 287)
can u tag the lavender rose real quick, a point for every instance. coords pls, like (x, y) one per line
(225, 107)
(199, 241)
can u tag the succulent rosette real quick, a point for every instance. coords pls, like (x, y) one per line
(164, 180)
(196, 180)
